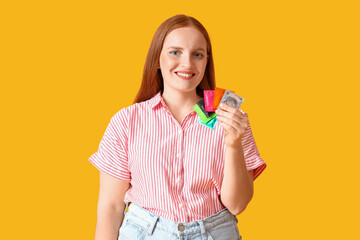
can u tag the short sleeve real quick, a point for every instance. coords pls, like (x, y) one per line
(112, 154)
(252, 156)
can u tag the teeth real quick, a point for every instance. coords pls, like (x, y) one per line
(184, 74)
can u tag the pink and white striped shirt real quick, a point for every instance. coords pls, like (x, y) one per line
(175, 170)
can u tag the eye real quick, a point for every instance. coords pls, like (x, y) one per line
(199, 55)
(174, 52)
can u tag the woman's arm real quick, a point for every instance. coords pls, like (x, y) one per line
(237, 187)
(111, 206)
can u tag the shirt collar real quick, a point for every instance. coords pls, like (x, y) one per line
(154, 101)
(157, 99)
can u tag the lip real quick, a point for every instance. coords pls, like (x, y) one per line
(186, 72)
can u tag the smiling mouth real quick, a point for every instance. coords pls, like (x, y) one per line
(185, 75)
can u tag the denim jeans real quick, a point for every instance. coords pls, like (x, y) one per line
(140, 224)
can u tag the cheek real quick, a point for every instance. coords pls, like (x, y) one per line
(166, 60)
(168, 63)
(203, 65)
(161, 60)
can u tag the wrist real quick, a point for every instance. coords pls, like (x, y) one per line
(234, 154)
(234, 146)
(235, 149)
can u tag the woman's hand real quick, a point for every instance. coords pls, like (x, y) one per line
(234, 123)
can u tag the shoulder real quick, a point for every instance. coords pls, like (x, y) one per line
(133, 110)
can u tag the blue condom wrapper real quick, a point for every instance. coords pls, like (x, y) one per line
(210, 124)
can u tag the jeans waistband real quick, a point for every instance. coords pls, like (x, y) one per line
(150, 221)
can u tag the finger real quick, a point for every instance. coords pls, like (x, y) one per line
(232, 116)
(229, 122)
(227, 127)
(226, 108)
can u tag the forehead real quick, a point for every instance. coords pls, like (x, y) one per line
(185, 37)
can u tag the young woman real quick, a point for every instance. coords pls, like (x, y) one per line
(180, 179)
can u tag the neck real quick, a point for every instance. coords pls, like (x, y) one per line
(180, 101)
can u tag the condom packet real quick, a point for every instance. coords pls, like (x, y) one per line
(232, 99)
(201, 114)
(199, 108)
(209, 99)
(219, 92)
(210, 124)
(201, 104)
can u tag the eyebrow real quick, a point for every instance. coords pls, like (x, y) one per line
(200, 48)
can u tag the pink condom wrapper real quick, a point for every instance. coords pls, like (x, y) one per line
(209, 98)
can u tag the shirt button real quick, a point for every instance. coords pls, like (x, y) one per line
(178, 155)
(180, 205)
(181, 227)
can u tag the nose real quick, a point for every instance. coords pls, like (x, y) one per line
(186, 61)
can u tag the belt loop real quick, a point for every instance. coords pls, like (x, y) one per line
(152, 225)
(202, 228)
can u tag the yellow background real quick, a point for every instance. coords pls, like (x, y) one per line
(68, 66)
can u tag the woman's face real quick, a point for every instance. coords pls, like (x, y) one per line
(183, 59)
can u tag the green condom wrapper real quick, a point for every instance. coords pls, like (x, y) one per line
(202, 115)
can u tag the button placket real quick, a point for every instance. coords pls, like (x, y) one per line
(178, 153)
(178, 179)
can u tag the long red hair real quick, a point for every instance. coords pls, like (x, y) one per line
(152, 81)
